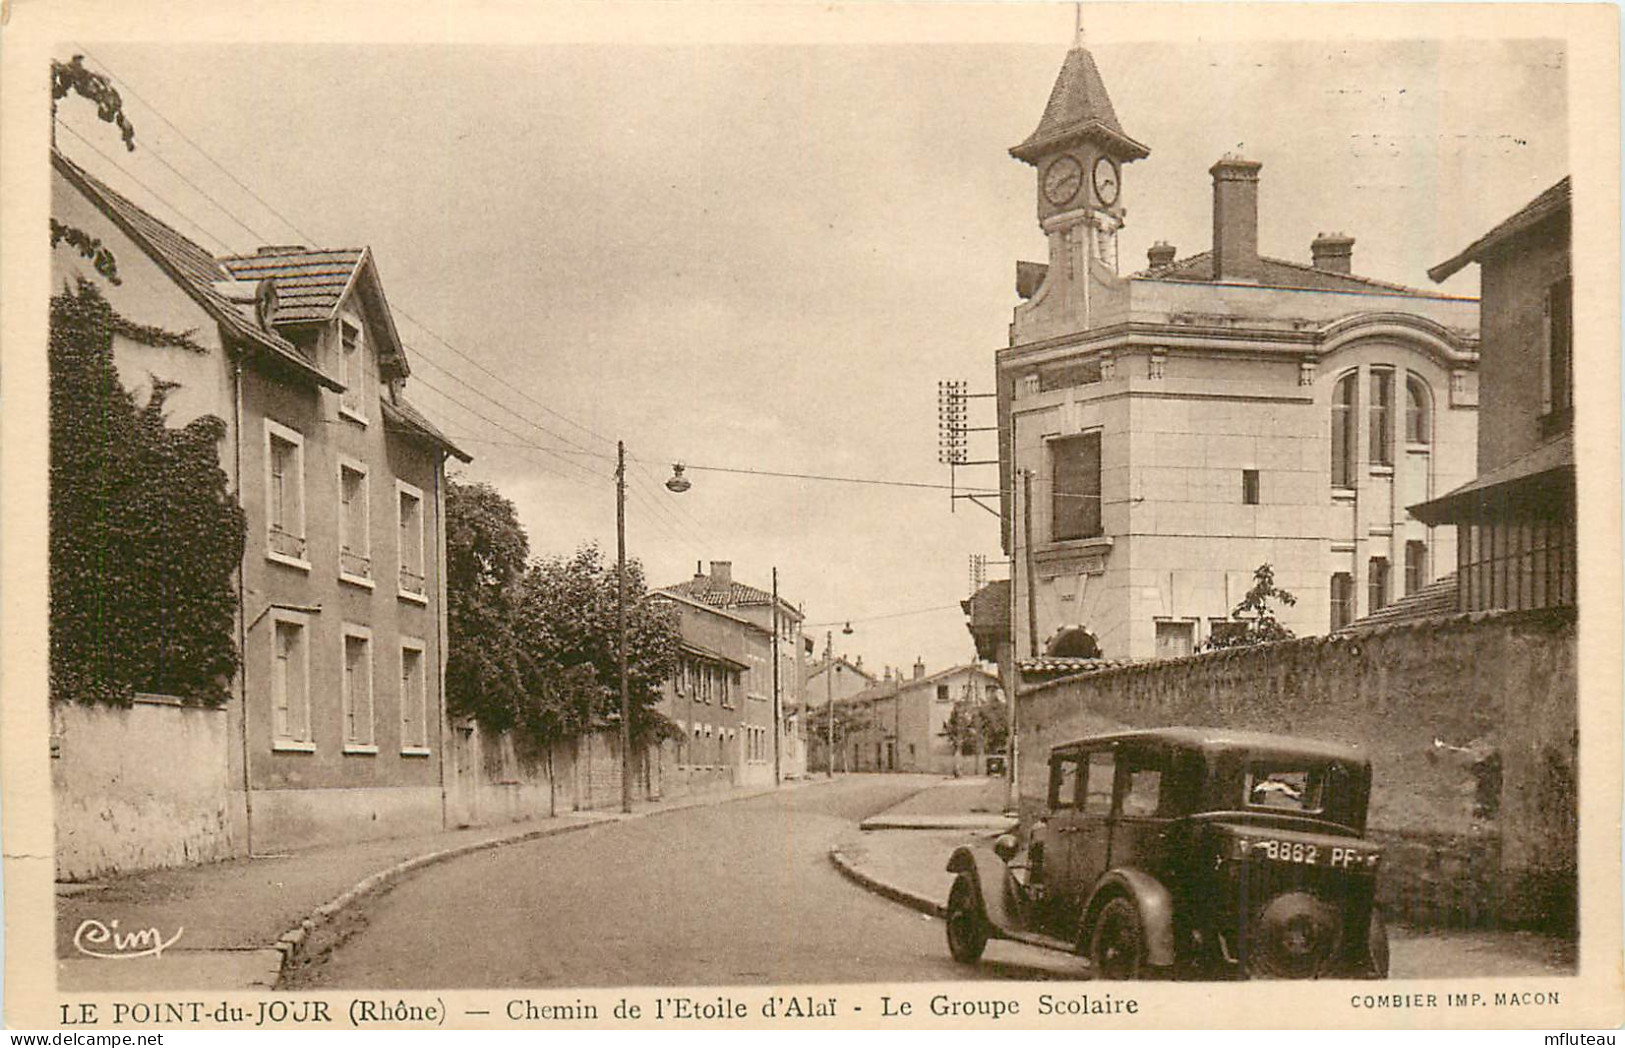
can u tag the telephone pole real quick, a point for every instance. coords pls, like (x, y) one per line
(620, 619)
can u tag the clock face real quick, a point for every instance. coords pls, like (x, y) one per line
(1062, 180)
(1106, 184)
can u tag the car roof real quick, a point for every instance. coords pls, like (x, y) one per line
(1215, 740)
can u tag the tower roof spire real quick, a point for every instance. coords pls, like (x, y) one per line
(1078, 108)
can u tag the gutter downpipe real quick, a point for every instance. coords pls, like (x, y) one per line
(242, 605)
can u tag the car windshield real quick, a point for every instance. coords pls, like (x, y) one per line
(1282, 787)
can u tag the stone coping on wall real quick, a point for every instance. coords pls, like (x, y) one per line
(1546, 618)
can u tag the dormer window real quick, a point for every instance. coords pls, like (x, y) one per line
(353, 370)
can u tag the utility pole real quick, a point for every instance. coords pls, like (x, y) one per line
(778, 728)
(1027, 557)
(620, 617)
(829, 694)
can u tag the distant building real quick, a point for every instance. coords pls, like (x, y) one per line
(843, 678)
(1516, 546)
(720, 591)
(1165, 433)
(719, 698)
(898, 723)
(337, 717)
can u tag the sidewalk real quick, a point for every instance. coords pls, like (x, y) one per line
(239, 922)
(969, 804)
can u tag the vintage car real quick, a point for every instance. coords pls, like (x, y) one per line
(1187, 853)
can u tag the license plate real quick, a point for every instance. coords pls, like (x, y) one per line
(1306, 853)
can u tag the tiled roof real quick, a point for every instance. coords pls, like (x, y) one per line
(728, 595)
(403, 417)
(1280, 273)
(1431, 601)
(1055, 665)
(309, 283)
(1552, 202)
(189, 265)
(1078, 106)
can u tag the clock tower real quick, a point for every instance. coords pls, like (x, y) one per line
(1078, 151)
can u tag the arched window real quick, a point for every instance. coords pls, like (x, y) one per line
(1343, 431)
(1418, 426)
(1074, 642)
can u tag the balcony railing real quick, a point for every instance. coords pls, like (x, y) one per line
(412, 582)
(354, 564)
(286, 544)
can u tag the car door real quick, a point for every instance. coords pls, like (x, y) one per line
(1092, 838)
(1139, 822)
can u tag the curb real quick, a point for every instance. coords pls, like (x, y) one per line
(291, 943)
(991, 824)
(850, 869)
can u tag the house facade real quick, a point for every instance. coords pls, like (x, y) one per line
(755, 608)
(721, 697)
(1516, 544)
(338, 717)
(899, 723)
(1165, 433)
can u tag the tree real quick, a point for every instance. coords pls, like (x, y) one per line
(73, 77)
(977, 728)
(850, 720)
(145, 534)
(569, 633)
(1253, 620)
(486, 551)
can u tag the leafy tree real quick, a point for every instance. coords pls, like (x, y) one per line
(145, 534)
(486, 551)
(977, 728)
(1253, 621)
(73, 77)
(850, 720)
(569, 632)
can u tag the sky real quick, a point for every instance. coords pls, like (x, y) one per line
(765, 257)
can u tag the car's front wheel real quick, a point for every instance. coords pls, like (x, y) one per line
(1117, 947)
(967, 926)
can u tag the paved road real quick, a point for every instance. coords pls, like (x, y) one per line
(739, 893)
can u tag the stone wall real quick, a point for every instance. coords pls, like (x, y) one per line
(1470, 722)
(142, 787)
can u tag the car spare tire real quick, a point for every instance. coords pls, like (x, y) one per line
(1294, 936)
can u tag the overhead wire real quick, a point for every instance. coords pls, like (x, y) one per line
(674, 525)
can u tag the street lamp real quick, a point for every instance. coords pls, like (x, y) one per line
(678, 483)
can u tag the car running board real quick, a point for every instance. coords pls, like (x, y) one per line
(1048, 942)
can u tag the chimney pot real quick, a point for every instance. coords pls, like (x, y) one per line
(722, 571)
(1235, 220)
(1334, 253)
(1160, 254)
(919, 668)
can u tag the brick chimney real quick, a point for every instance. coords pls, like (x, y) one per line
(722, 572)
(919, 668)
(1160, 254)
(1334, 253)
(1235, 220)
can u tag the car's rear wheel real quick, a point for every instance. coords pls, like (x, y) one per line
(1117, 947)
(967, 925)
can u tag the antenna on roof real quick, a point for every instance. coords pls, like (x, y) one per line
(1077, 23)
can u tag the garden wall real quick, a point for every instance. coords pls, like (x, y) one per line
(1470, 722)
(140, 787)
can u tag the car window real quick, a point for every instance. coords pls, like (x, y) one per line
(1285, 787)
(1144, 792)
(1064, 783)
(1098, 796)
